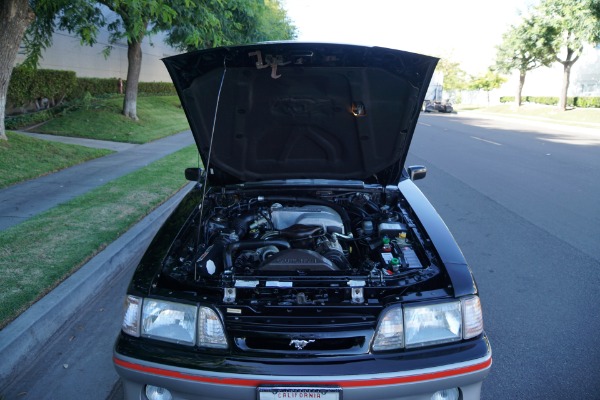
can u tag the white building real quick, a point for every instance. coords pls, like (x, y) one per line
(67, 53)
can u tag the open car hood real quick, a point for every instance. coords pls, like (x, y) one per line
(295, 110)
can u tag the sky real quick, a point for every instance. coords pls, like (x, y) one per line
(465, 31)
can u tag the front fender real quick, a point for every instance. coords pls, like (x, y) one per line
(443, 241)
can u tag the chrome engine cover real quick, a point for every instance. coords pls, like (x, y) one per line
(327, 217)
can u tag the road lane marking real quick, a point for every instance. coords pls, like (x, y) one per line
(487, 141)
(422, 123)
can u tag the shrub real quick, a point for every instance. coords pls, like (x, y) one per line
(103, 86)
(86, 100)
(587, 102)
(583, 102)
(54, 85)
(28, 85)
(19, 88)
(95, 86)
(551, 101)
(25, 120)
(166, 88)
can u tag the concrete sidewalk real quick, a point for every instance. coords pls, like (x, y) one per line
(24, 200)
(98, 144)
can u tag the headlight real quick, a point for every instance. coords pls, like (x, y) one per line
(210, 330)
(425, 325)
(131, 320)
(172, 322)
(390, 333)
(432, 324)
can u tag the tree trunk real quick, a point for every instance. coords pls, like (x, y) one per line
(15, 17)
(520, 90)
(134, 57)
(567, 64)
(562, 103)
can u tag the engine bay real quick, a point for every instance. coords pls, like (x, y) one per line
(305, 247)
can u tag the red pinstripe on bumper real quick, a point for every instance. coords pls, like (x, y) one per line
(344, 383)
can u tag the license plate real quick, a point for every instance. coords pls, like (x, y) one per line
(298, 393)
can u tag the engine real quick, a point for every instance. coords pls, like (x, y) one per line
(273, 239)
(292, 236)
(310, 249)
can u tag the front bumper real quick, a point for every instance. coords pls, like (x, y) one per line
(414, 384)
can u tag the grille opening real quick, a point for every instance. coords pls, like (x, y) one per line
(313, 322)
(283, 344)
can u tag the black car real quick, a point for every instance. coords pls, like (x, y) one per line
(305, 263)
(440, 106)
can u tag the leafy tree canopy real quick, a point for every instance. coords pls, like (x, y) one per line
(455, 78)
(78, 16)
(574, 22)
(524, 47)
(487, 82)
(230, 22)
(189, 24)
(595, 7)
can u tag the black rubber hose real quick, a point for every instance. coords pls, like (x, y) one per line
(240, 224)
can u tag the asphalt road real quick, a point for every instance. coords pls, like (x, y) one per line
(523, 201)
(77, 361)
(524, 204)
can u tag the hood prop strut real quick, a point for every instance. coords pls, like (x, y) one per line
(207, 167)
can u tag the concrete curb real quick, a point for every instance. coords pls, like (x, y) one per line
(22, 340)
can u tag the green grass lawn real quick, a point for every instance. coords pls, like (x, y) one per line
(39, 253)
(578, 116)
(23, 157)
(159, 116)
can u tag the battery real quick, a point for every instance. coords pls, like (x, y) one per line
(410, 259)
(387, 258)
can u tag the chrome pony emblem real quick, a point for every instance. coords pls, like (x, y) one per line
(300, 344)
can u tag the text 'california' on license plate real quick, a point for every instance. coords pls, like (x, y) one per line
(298, 392)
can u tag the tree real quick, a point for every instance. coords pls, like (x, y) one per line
(189, 24)
(263, 21)
(236, 22)
(81, 17)
(487, 82)
(15, 17)
(595, 7)
(455, 78)
(524, 48)
(136, 20)
(273, 24)
(576, 23)
(31, 24)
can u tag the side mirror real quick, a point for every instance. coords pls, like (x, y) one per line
(194, 174)
(417, 172)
